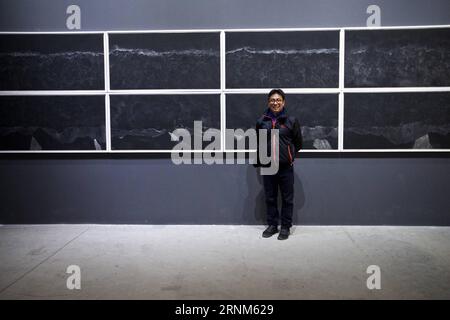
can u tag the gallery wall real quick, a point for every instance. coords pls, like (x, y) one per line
(87, 118)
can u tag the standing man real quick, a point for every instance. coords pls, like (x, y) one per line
(290, 141)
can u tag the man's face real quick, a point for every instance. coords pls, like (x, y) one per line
(276, 103)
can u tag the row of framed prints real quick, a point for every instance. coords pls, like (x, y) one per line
(289, 59)
(113, 91)
(146, 122)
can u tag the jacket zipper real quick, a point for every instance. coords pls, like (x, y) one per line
(273, 139)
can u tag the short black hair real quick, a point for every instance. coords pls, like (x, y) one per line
(276, 91)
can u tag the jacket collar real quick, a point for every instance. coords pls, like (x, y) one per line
(269, 114)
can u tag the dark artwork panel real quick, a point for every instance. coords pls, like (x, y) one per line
(147, 122)
(290, 59)
(397, 120)
(165, 61)
(51, 62)
(52, 123)
(397, 58)
(317, 114)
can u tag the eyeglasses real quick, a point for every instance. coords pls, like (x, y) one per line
(275, 100)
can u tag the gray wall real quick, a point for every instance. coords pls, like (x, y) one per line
(50, 15)
(389, 189)
(354, 190)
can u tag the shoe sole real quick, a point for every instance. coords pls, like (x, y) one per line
(283, 237)
(268, 236)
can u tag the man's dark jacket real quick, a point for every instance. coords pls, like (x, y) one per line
(290, 136)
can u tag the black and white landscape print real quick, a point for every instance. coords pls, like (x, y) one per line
(147, 122)
(52, 123)
(165, 61)
(397, 58)
(51, 62)
(317, 114)
(397, 120)
(282, 59)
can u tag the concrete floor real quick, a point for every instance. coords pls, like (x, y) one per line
(223, 262)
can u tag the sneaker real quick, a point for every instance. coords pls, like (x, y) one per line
(270, 231)
(284, 234)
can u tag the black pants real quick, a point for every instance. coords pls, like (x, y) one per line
(284, 179)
